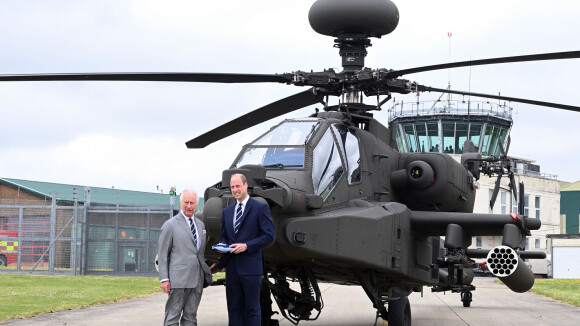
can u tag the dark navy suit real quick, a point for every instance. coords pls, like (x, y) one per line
(244, 270)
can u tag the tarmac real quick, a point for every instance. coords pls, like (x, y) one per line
(493, 304)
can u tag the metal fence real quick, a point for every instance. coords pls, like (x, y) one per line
(80, 238)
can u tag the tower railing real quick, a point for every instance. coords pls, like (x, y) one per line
(453, 107)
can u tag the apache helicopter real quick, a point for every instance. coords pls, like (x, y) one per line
(348, 208)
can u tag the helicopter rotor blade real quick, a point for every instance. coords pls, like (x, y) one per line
(513, 186)
(156, 76)
(495, 189)
(501, 149)
(521, 58)
(265, 113)
(422, 88)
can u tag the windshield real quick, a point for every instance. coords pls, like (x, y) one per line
(281, 147)
(274, 157)
(288, 133)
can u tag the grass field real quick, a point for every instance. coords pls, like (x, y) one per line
(30, 295)
(567, 291)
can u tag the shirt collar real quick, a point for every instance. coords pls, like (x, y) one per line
(187, 218)
(245, 201)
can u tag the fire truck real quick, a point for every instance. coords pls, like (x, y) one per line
(8, 247)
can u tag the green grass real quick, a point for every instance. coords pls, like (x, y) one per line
(30, 295)
(567, 291)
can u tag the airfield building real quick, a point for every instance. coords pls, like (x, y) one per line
(71, 229)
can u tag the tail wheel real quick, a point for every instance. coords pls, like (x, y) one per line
(399, 312)
(466, 298)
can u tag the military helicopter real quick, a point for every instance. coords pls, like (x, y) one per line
(348, 207)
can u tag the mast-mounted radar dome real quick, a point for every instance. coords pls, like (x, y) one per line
(367, 18)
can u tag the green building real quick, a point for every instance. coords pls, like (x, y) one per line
(570, 207)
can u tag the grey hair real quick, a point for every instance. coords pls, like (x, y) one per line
(186, 191)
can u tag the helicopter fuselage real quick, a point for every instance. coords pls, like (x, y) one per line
(334, 204)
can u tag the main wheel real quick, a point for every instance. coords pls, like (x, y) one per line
(399, 312)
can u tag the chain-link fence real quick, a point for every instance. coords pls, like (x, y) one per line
(80, 238)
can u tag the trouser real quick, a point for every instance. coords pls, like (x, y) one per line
(182, 306)
(243, 298)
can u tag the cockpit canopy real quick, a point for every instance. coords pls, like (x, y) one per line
(282, 147)
(285, 147)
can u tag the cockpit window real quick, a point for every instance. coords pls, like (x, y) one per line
(282, 147)
(288, 133)
(274, 157)
(326, 165)
(349, 146)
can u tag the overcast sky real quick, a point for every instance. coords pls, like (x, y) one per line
(131, 135)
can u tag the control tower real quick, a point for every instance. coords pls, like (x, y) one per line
(443, 126)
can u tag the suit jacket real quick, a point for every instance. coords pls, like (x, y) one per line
(179, 259)
(256, 231)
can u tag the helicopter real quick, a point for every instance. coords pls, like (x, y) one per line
(347, 206)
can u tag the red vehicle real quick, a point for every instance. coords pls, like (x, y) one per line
(8, 248)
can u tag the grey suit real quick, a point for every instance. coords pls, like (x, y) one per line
(184, 266)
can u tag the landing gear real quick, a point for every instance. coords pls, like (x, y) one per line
(266, 306)
(399, 313)
(466, 298)
(294, 306)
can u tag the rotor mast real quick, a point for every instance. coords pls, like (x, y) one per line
(353, 51)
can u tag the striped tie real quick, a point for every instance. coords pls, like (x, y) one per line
(193, 230)
(237, 220)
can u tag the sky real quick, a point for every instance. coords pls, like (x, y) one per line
(131, 135)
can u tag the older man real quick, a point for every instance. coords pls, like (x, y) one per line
(182, 269)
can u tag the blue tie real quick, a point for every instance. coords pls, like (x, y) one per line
(237, 220)
(193, 230)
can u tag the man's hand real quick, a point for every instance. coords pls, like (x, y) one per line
(223, 244)
(166, 286)
(238, 248)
